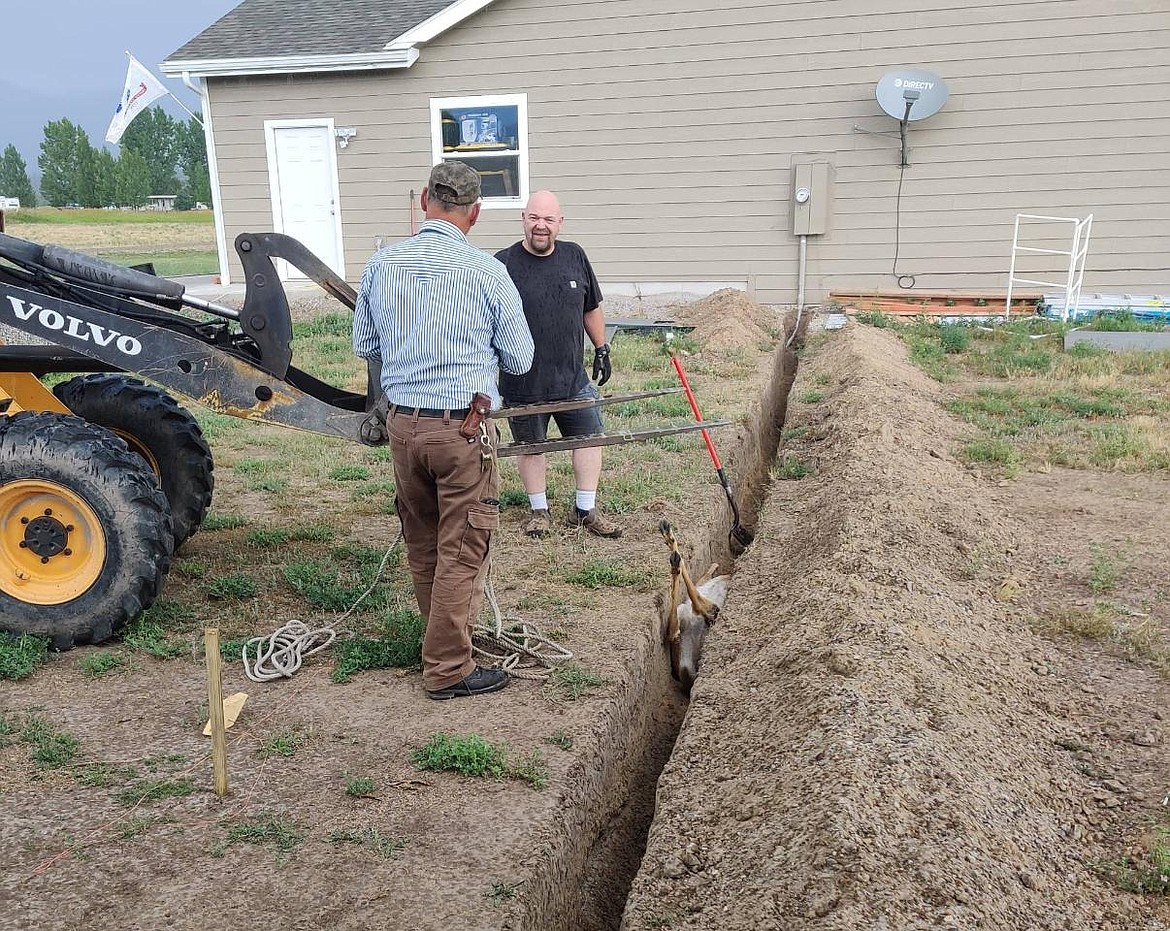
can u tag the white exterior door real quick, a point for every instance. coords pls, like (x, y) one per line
(302, 171)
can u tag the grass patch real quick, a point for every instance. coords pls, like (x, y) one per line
(560, 739)
(513, 497)
(875, 318)
(19, 656)
(811, 397)
(275, 832)
(359, 786)
(156, 790)
(235, 586)
(605, 573)
(267, 538)
(532, 769)
(470, 755)
(399, 645)
(790, 469)
(103, 775)
(49, 747)
(1147, 872)
(573, 681)
(349, 473)
(139, 825)
(337, 583)
(1105, 570)
(371, 839)
(101, 664)
(148, 633)
(285, 743)
(169, 263)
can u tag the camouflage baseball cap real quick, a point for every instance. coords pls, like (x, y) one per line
(454, 183)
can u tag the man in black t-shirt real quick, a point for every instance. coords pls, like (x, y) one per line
(561, 297)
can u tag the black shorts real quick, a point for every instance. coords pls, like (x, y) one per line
(583, 422)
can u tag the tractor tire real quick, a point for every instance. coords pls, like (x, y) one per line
(85, 532)
(164, 434)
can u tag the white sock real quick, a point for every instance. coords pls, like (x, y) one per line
(586, 500)
(538, 502)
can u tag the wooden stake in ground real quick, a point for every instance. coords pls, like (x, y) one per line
(215, 708)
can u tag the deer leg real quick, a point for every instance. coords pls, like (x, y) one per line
(708, 609)
(672, 628)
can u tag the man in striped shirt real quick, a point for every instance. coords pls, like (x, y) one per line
(442, 317)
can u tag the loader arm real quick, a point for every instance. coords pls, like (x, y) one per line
(220, 381)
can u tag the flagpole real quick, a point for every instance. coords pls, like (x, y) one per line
(185, 107)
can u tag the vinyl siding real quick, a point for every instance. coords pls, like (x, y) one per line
(669, 128)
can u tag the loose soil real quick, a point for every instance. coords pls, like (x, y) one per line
(879, 739)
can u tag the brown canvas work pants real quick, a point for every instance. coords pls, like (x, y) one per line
(448, 500)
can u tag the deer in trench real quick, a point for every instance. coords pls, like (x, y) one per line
(690, 612)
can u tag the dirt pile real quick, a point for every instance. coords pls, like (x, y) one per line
(875, 741)
(728, 319)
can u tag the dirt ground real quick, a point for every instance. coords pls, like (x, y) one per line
(440, 851)
(879, 738)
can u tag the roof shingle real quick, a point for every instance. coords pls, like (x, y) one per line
(274, 28)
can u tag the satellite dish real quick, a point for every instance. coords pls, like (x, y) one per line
(909, 95)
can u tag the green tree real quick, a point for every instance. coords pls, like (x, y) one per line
(152, 135)
(191, 150)
(132, 180)
(14, 180)
(86, 194)
(105, 178)
(67, 164)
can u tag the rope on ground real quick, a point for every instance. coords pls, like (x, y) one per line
(279, 654)
(521, 648)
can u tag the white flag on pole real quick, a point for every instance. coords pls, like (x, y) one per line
(142, 89)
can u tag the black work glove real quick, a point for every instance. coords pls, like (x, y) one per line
(373, 430)
(602, 367)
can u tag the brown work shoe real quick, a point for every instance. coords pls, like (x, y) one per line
(539, 524)
(595, 523)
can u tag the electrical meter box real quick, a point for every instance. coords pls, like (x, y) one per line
(812, 197)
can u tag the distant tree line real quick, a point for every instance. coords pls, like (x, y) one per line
(155, 150)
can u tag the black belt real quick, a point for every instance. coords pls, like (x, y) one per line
(457, 414)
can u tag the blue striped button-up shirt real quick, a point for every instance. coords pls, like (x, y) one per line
(442, 316)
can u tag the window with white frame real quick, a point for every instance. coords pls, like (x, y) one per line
(489, 133)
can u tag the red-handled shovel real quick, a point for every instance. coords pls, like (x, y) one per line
(738, 533)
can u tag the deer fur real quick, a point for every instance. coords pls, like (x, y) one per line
(689, 612)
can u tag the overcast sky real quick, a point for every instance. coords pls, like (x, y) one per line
(66, 58)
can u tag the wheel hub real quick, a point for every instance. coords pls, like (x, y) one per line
(46, 536)
(52, 543)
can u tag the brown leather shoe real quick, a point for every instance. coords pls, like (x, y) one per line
(595, 523)
(538, 525)
(479, 681)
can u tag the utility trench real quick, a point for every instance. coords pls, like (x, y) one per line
(596, 849)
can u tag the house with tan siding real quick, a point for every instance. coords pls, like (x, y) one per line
(674, 132)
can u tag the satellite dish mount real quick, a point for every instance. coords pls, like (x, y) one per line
(908, 96)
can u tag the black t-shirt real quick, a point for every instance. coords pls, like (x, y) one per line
(557, 290)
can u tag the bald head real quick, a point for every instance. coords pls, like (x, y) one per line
(542, 222)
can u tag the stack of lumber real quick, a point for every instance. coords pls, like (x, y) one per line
(935, 304)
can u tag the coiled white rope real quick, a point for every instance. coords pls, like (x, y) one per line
(521, 649)
(279, 654)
